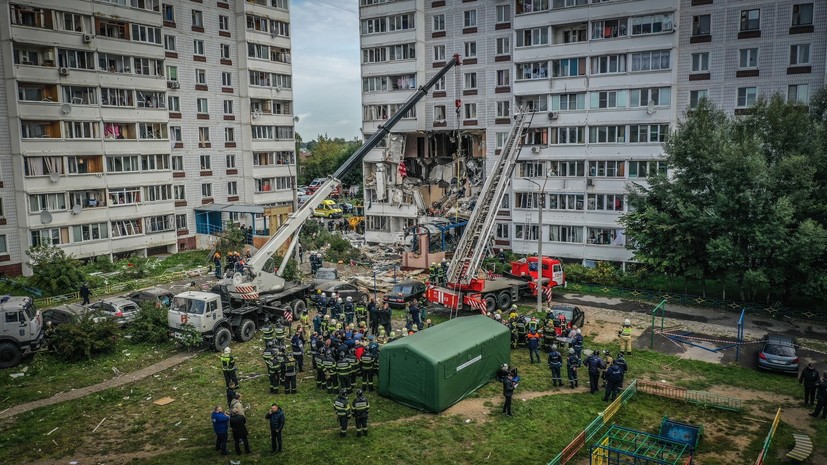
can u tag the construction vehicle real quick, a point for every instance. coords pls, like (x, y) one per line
(246, 297)
(21, 329)
(466, 286)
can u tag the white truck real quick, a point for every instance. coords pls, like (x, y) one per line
(21, 329)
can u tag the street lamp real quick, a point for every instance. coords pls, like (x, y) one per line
(541, 197)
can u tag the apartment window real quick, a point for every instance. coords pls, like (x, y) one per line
(157, 193)
(798, 93)
(116, 97)
(470, 81)
(500, 139)
(401, 22)
(197, 18)
(566, 202)
(659, 96)
(80, 95)
(227, 79)
(127, 228)
(568, 135)
(205, 163)
(90, 232)
(571, 234)
(470, 49)
(503, 77)
(113, 29)
(532, 169)
(568, 67)
(181, 221)
(172, 73)
(440, 84)
(439, 23)
(529, 37)
(700, 62)
(75, 59)
(81, 130)
(504, 13)
(156, 224)
(54, 236)
(503, 109)
(470, 110)
(198, 47)
(606, 202)
(750, 20)
(179, 192)
(529, 6)
(175, 134)
(799, 54)
(229, 135)
(536, 136)
(651, 61)
(439, 53)
(701, 25)
(439, 113)
(203, 134)
(695, 97)
(173, 104)
(748, 58)
(503, 45)
(803, 14)
(228, 107)
(607, 169)
(526, 232)
(122, 163)
(146, 34)
(537, 70)
(232, 188)
(612, 63)
(566, 169)
(230, 161)
(223, 23)
(643, 133)
(608, 99)
(651, 24)
(169, 13)
(50, 202)
(202, 105)
(469, 18)
(609, 28)
(75, 23)
(502, 230)
(565, 102)
(225, 52)
(169, 43)
(201, 76)
(607, 134)
(644, 169)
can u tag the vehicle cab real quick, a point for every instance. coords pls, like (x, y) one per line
(552, 270)
(202, 310)
(21, 329)
(328, 209)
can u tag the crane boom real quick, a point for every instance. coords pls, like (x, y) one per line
(260, 275)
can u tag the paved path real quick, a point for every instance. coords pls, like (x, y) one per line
(85, 391)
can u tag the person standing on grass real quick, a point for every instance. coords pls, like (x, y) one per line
(594, 364)
(229, 368)
(236, 405)
(276, 417)
(614, 379)
(238, 423)
(572, 364)
(509, 385)
(555, 362)
(220, 420)
(343, 410)
(533, 339)
(821, 398)
(230, 393)
(809, 378)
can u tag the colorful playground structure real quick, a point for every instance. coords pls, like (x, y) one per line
(674, 444)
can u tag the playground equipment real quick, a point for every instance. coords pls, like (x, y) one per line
(681, 432)
(687, 337)
(624, 446)
(707, 399)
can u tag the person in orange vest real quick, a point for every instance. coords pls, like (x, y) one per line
(533, 342)
(217, 263)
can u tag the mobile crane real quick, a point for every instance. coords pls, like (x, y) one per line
(465, 285)
(245, 298)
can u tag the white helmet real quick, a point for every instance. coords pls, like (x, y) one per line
(324, 294)
(349, 299)
(578, 330)
(339, 300)
(626, 322)
(226, 350)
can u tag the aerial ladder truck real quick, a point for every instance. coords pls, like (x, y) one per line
(245, 298)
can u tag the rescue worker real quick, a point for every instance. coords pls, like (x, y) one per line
(440, 275)
(297, 346)
(521, 330)
(594, 364)
(555, 362)
(621, 362)
(625, 335)
(373, 317)
(350, 356)
(809, 378)
(329, 369)
(413, 311)
(614, 378)
(317, 323)
(361, 407)
(361, 312)
(432, 274)
(324, 326)
(821, 398)
(290, 370)
(383, 337)
(533, 324)
(267, 334)
(342, 408)
(533, 345)
(572, 363)
(278, 334)
(577, 343)
(513, 314)
(348, 310)
(366, 367)
(321, 304)
(318, 363)
(339, 310)
(272, 371)
(229, 368)
(444, 266)
(607, 362)
(343, 372)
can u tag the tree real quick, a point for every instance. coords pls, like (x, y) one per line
(53, 270)
(327, 156)
(231, 239)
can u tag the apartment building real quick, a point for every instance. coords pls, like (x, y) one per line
(125, 116)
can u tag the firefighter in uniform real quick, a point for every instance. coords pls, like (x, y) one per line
(571, 365)
(329, 369)
(366, 367)
(342, 408)
(607, 362)
(297, 347)
(555, 362)
(289, 368)
(268, 334)
(278, 334)
(521, 330)
(318, 365)
(625, 335)
(533, 324)
(272, 371)
(343, 372)
(321, 304)
(440, 274)
(229, 368)
(325, 325)
(348, 310)
(354, 368)
(361, 406)
(361, 311)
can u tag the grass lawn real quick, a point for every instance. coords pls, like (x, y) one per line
(137, 431)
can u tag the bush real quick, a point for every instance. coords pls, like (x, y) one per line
(53, 270)
(89, 335)
(189, 338)
(134, 267)
(150, 325)
(604, 274)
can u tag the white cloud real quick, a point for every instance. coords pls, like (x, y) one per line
(326, 69)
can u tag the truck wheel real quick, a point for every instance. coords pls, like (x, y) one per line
(298, 307)
(504, 300)
(222, 339)
(10, 355)
(246, 330)
(490, 302)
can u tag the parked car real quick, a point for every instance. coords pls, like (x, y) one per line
(324, 275)
(342, 288)
(777, 353)
(314, 184)
(123, 311)
(574, 315)
(404, 292)
(63, 314)
(328, 209)
(346, 207)
(157, 296)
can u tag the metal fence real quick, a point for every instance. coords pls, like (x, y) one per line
(704, 398)
(766, 447)
(753, 308)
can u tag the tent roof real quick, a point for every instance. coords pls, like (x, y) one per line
(450, 338)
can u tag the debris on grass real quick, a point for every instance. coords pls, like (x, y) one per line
(52, 431)
(164, 401)
(99, 424)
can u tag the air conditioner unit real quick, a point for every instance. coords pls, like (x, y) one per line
(589, 182)
(535, 149)
(552, 115)
(63, 71)
(87, 38)
(173, 84)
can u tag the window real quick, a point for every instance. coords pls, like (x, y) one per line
(75, 59)
(526, 200)
(651, 61)
(153, 131)
(748, 58)
(608, 99)
(700, 62)
(169, 13)
(798, 93)
(536, 136)
(175, 134)
(502, 230)
(503, 77)
(643, 133)
(146, 34)
(54, 236)
(125, 196)
(643, 169)
(701, 25)
(227, 79)
(373, 26)
(116, 97)
(470, 111)
(611, 63)
(197, 18)
(750, 20)
(469, 18)
(503, 45)
(83, 164)
(90, 232)
(75, 23)
(504, 13)
(157, 193)
(401, 22)
(695, 97)
(529, 6)
(205, 163)
(566, 102)
(225, 52)
(566, 201)
(440, 84)
(799, 54)
(202, 105)
(609, 28)
(229, 134)
(50, 202)
(568, 135)
(439, 23)
(439, 53)
(223, 23)
(179, 192)
(470, 81)
(568, 169)
(531, 169)
(122, 163)
(651, 24)
(173, 104)
(606, 236)
(572, 234)
(259, 51)
(113, 29)
(80, 95)
(232, 188)
(230, 161)
(81, 130)
(203, 134)
(567, 67)
(169, 43)
(607, 169)
(659, 96)
(537, 70)
(529, 37)
(470, 49)
(607, 134)
(228, 107)
(181, 221)
(439, 113)
(201, 76)
(149, 67)
(198, 47)
(172, 73)
(803, 14)
(156, 224)
(503, 109)
(127, 228)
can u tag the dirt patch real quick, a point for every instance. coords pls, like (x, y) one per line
(480, 409)
(792, 412)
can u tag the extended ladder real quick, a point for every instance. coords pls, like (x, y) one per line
(471, 248)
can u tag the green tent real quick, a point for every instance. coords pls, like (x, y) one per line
(436, 368)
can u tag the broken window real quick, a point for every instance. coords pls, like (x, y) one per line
(378, 223)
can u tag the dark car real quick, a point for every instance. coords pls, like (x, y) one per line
(325, 275)
(156, 296)
(344, 290)
(777, 353)
(404, 292)
(574, 315)
(61, 315)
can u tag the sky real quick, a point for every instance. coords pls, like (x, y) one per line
(326, 69)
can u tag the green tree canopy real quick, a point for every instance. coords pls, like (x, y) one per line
(54, 271)
(327, 154)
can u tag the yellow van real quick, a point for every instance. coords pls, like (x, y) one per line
(328, 209)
